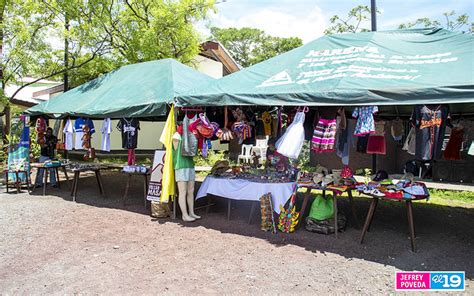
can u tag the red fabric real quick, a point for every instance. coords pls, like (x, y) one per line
(453, 149)
(397, 195)
(376, 145)
(131, 156)
(179, 129)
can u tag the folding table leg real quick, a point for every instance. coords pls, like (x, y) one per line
(306, 197)
(335, 213)
(17, 182)
(411, 224)
(354, 213)
(74, 187)
(56, 171)
(46, 172)
(370, 213)
(145, 190)
(67, 177)
(6, 179)
(252, 211)
(127, 186)
(229, 205)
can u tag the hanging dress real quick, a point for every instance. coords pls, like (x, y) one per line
(291, 142)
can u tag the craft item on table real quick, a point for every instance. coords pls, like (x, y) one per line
(68, 135)
(106, 130)
(346, 172)
(365, 120)
(291, 143)
(376, 141)
(266, 209)
(397, 130)
(52, 163)
(289, 217)
(220, 167)
(410, 143)
(135, 169)
(430, 122)
(453, 148)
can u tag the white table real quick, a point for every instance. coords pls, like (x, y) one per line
(240, 189)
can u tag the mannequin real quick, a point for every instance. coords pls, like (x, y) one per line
(185, 176)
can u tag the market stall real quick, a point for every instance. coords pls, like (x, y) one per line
(363, 90)
(132, 93)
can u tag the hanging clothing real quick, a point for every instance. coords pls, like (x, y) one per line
(362, 142)
(430, 123)
(189, 142)
(166, 139)
(343, 141)
(68, 132)
(376, 141)
(129, 129)
(291, 142)
(453, 148)
(79, 125)
(131, 157)
(181, 161)
(471, 149)
(397, 129)
(410, 142)
(324, 136)
(106, 130)
(365, 120)
(267, 123)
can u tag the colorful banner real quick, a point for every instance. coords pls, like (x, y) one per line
(19, 149)
(155, 186)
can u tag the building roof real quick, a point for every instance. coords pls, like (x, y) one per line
(216, 51)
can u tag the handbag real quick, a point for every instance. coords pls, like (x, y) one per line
(321, 208)
(189, 143)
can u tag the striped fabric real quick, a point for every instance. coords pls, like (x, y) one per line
(324, 136)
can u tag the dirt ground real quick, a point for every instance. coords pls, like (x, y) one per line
(51, 245)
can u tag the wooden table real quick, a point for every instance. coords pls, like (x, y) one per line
(409, 208)
(41, 166)
(145, 185)
(18, 181)
(307, 197)
(78, 171)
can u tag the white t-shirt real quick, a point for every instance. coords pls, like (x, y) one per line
(106, 131)
(68, 134)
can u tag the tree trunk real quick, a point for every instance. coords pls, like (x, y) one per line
(6, 111)
(66, 56)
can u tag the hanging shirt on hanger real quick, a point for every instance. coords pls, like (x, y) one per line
(430, 123)
(79, 130)
(68, 132)
(129, 128)
(106, 131)
(365, 120)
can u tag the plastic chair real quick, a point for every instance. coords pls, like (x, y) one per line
(246, 154)
(260, 147)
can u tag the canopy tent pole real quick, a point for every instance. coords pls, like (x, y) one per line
(373, 21)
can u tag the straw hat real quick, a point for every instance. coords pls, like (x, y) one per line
(220, 167)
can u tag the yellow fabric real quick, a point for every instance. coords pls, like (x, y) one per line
(166, 138)
(267, 123)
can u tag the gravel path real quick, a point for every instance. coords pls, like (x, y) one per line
(50, 245)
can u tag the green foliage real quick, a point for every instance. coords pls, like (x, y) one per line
(453, 23)
(249, 46)
(464, 196)
(211, 159)
(351, 23)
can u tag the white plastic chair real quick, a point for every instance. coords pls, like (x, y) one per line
(260, 147)
(246, 154)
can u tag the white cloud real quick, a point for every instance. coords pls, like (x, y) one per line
(278, 23)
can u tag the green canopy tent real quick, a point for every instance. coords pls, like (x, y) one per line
(386, 68)
(140, 90)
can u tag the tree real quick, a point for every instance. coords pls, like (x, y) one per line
(351, 23)
(249, 46)
(453, 23)
(98, 36)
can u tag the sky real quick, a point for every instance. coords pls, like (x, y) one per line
(308, 19)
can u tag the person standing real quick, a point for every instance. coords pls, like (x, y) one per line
(47, 153)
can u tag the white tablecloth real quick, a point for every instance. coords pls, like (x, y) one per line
(240, 189)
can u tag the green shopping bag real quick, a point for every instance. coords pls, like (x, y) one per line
(321, 208)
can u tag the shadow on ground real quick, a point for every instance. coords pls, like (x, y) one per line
(444, 234)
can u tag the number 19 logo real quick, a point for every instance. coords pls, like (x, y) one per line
(447, 280)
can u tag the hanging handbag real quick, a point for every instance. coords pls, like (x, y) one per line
(189, 142)
(321, 208)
